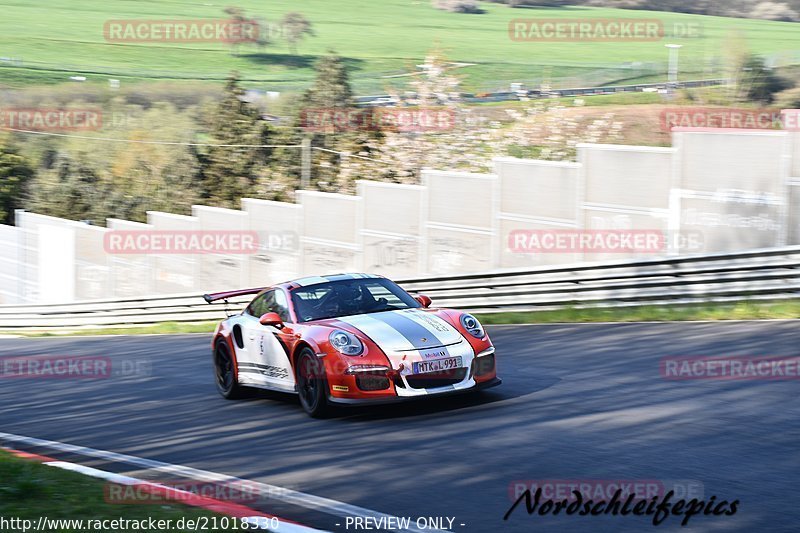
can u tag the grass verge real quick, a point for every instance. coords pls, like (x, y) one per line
(47, 41)
(164, 328)
(29, 490)
(783, 309)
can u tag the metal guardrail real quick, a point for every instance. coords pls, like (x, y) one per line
(509, 96)
(752, 275)
(611, 89)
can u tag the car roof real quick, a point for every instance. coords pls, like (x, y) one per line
(317, 280)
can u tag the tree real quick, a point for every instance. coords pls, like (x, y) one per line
(80, 179)
(146, 177)
(280, 177)
(229, 172)
(331, 88)
(467, 140)
(237, 16)
(330, 92)
(263, 29)
(257, 25)
(758, 82)
(71, 189)
(15, 174)
(296, 27)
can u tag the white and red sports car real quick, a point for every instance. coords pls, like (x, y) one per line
(348, 339)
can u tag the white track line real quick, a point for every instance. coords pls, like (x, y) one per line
(255, 522)
(300, 499)
(94, 472)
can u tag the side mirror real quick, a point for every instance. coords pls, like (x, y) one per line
(271, 319)
(423, 300)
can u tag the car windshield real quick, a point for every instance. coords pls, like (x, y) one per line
(349, 297)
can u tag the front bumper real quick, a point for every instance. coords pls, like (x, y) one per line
(398, 399)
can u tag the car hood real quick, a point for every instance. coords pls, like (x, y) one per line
(404, 330)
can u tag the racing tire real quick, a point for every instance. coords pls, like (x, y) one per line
(312, 386)
(224, 373)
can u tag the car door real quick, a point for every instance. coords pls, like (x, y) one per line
(265, 358)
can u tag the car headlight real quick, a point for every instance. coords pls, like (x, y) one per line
(346, 343)
(357, 369)
(473, 327)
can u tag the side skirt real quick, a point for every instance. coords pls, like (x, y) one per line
(277, 387)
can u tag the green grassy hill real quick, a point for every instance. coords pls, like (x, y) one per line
(53, 40)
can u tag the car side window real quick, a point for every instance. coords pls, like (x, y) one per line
(259, 306)
(281, 306)
(270, 302)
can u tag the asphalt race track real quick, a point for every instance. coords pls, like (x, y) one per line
(578, 402)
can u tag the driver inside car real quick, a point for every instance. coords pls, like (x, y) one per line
(351, 298)
(356, 298)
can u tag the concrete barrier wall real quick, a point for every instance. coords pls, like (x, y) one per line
(793, 152)
(732, 223)
(174, 273)
(11, 288)
(279, 226)
(225, 269)
(742, 160)
(391, 241)
(92, 269)
(793, 230)
(535, 195)
(711, 192)
(637, 177)
(131, 274)
(732, 188)
(625, 188)
(330, 241)
(49, 258)
(460, 211)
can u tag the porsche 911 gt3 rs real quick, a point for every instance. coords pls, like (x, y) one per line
(348, 339)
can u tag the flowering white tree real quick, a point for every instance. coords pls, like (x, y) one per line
(546, 129)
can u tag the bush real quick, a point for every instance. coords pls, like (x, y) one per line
(774, 11)
(788, 99)
(538, 3)
(15, 173)
(458, 6)
(759, 83)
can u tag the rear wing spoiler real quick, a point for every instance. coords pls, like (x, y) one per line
(209, 298)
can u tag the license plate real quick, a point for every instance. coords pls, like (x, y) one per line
(437, 365)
